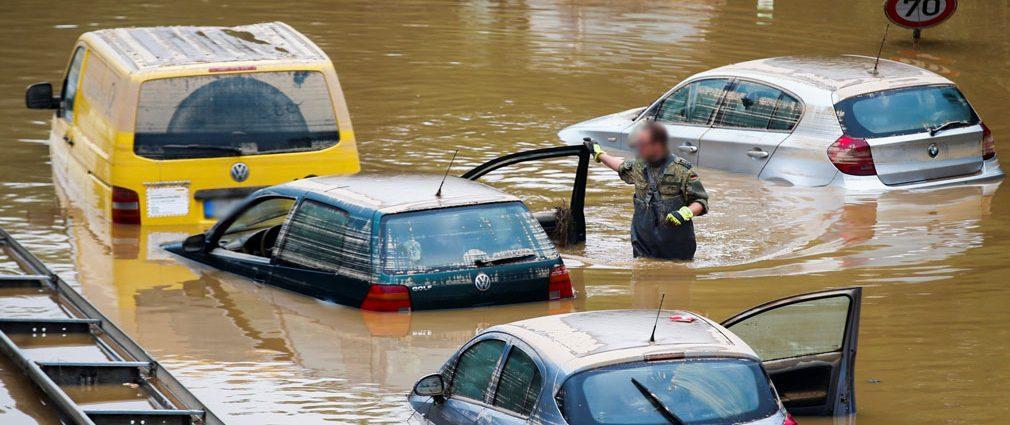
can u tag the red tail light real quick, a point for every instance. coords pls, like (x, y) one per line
(790, 420)
(387, 298)
(988, 144)
(852, 156)
(560, 284)
(125, 206)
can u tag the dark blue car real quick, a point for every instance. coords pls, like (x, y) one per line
(390, 243)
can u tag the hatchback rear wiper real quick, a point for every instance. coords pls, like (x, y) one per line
(233, 149)
(503, 260)
(657, 403)
(949, 124)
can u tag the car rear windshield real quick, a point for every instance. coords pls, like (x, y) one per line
(696, 391)
(463, 237)
(234, 114)
(904, 111)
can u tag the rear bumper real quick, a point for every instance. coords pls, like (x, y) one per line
(991, 174)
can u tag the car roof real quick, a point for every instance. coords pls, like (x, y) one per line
(576, 340)
(399, 192)
(150, 48)
(844, 75)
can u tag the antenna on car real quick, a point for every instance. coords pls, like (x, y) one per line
(652, 338)
(880, 50)
(439, 193)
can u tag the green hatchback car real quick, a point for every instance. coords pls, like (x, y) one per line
(394, 243)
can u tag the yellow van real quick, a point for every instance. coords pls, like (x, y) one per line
(173, 125)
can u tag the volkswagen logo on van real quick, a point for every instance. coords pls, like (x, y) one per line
(933, 150)
(239, 172)
(482, 282)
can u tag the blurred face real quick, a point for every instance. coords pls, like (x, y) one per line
(647, 149)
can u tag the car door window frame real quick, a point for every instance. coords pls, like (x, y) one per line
(840, 395)
(492, 383)
(218, 231)
(732, 86)
(653, 111)
(515, 344)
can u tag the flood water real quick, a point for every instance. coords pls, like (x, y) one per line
(423, 78)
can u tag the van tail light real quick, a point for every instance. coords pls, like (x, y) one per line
(387, 298)
(790, 420)
(852, 156)
(560, 284)
(125, 206)
(988, 144)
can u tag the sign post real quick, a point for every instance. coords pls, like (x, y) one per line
(919, 14)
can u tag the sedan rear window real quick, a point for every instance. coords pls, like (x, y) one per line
(904, 111)
(701, 391)
(463, 237)
(234, 114)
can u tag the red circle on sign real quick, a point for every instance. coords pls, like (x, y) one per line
(891, 10)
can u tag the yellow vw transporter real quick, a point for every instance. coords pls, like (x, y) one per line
(173, 125)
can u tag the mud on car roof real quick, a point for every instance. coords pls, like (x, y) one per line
(155, 47)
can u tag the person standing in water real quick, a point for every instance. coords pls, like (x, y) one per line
(668, 195)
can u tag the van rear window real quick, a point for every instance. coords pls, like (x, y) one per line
(904, 111)
(234, 114)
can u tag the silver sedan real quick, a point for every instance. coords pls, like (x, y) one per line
(817, 122)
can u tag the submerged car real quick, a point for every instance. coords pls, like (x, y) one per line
(397, 242)
(174, 125)
(843, 121)
(602, 367)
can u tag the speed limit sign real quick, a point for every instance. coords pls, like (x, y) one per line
(917, 14)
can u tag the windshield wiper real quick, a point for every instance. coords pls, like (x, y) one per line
(234, 149)
(947, 125)
(657, 403)
(503, 260)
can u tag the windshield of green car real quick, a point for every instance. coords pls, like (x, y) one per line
(696, 391)
(462, 237)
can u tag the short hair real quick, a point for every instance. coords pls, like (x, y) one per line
(654, 132)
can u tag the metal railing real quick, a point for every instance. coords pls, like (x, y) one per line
(127, 363)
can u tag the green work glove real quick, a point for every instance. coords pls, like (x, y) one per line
(679, 217)
(594, 148)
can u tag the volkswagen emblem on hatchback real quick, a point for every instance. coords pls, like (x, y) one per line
(239, 172)
(482, 282)
(933, 150)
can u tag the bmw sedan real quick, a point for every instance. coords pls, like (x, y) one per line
(843, 121)
(654, 367)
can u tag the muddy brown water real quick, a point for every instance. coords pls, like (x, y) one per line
(491, 77)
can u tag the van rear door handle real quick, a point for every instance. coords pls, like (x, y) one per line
(688, 148)
(68, 140)
(757, 154)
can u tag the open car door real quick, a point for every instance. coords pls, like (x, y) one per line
(570, 229)
(808, 346)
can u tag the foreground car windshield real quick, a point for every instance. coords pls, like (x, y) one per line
(234, 114)
(706, 391)
(454, 238)
(904, 111)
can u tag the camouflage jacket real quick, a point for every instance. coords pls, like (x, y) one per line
(678, 179)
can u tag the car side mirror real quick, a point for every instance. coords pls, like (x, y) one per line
(40, 96)
(195, 243)
(431, 386)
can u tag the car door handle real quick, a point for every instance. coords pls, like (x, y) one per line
(757, 154)
(68, 140)
(688, 148)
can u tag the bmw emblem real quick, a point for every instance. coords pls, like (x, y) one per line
(933, 150)
(239, 172)
(482, 282)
